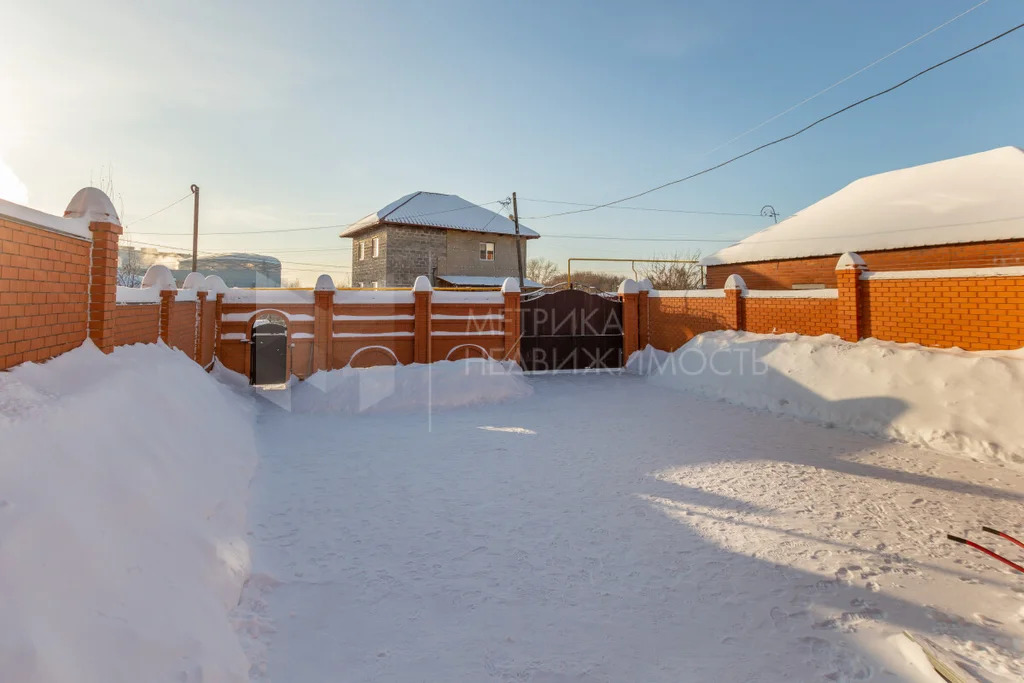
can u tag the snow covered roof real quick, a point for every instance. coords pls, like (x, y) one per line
(447, 211)
(483, 281)
(974, 198)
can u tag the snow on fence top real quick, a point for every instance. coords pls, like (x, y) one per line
(431, 209)
(791, 294)
(998, 271)
(268, 296)
(974, 198)
(89, 204)
(138, 295)
(687, 293)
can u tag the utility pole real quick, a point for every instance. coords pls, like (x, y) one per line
(195, 227)
(519, 240)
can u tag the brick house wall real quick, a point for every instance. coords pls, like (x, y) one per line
(820, 270)
(463, 255)
(44, 292)
(407, 252)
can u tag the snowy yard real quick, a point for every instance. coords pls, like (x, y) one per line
(606, 529)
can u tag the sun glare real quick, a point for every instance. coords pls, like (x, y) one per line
(11, 188)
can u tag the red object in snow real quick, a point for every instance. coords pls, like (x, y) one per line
(987, 551)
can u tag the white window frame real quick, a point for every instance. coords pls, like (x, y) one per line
(487, 249)
(375, 246)
(362, 250)
(374, 285)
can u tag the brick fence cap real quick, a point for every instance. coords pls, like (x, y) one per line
(196, 281)
(645, 285)
(324, 283)
(510, 286)
(216, 284)
(629, 286)
(850, 261)
(735, 281)
(159, 277)
(91, 203)
(422, 284)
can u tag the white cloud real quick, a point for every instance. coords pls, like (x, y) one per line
(11, 187)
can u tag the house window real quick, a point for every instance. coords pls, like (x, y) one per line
(374, 284)
(376, 247)
(362, 251)
(487, 251)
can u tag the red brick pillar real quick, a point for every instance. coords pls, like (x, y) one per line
(629, 292)
(167, 298)
(200, 325)
(323, 323)
(644, 318)
(848, 271)
(735, 288)
(510, 291)
(103, 284)
(423, 293)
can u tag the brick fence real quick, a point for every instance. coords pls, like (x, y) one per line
(58, 288)
(972, 308)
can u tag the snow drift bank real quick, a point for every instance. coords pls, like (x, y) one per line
(951, 400)
(122, 487)
(405, 388)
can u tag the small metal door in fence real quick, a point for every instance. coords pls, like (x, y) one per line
(269, 353)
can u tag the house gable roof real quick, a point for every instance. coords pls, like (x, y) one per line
(974, 198)
(444, 211)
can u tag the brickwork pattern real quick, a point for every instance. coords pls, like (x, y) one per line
(803, 316)
(136, 324)
(207, 330)
(977, 313)
(44, 293)
(821, 269)
(181, 331)
(463, 255)
(370, 269)
(674, 321)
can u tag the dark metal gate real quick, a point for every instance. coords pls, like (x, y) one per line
(571, 330)
(269, 353)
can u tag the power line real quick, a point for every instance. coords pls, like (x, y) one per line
(205, 252)
(174, 203)
(638, 239)
(641, 208)
(846, 78)
(303, 229)
(794, 134)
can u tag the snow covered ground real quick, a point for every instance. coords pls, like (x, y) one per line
(604, 528)
(123, 483)
(966, 404)
(586, 528)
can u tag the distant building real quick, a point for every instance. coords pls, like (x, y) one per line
(452, 241)
(236, 269)
(966, 212)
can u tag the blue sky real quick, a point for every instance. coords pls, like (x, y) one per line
(312, 113)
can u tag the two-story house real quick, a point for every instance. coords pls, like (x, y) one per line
(452, 241)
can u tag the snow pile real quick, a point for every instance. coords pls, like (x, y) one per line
(123, 481)
(954, 401)
(405, 388)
